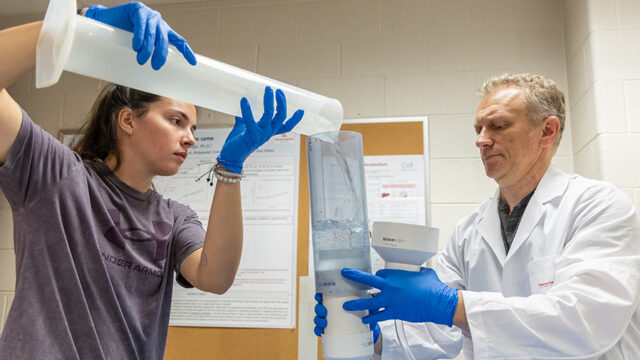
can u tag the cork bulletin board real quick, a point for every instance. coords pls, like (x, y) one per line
(404, 136)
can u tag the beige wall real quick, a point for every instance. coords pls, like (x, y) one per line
(603, 57)
(380, 58)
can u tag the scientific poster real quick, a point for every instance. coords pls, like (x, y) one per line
(395, 192)
(263, 293)
(395, 188)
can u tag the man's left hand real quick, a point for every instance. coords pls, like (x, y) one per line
(321, 320)
(151, 34)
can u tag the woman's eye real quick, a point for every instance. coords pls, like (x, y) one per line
(175, 121)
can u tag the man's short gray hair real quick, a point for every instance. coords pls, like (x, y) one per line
(542, 96)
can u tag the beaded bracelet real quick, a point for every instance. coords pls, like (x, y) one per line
(218, 169)
(222, 175)
(228, 180)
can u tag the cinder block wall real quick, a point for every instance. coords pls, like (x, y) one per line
(381, 58)
(604, 81)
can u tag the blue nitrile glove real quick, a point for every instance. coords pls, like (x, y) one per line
(321, 320)
(149, 31)
(247, 135)
(406, 295)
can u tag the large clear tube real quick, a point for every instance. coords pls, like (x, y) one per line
(340, 238)
(402, 339)
(77, 44)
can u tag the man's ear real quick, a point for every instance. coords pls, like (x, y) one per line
(125, 120)
(550, 131)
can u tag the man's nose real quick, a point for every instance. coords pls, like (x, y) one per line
(483, 139)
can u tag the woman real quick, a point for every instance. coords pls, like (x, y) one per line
(95, 244)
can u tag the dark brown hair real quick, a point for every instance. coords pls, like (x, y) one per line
(99, 133)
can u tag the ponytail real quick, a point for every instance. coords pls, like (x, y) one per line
(99, 134)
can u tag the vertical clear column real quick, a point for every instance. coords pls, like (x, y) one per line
(340, 238)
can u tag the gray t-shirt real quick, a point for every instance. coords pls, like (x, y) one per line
(94, 257)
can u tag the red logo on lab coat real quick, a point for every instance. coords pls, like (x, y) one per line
(545, 284)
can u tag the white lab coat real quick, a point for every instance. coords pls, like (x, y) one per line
(568, 289)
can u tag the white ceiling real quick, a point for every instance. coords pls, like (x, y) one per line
(23, 7)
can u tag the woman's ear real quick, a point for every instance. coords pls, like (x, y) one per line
(125, 120)
(550, 130)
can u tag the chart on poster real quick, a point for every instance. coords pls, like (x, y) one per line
(263, 292)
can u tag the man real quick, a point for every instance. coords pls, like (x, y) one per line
(548, 268)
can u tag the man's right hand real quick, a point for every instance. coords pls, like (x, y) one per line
(149, 30)
(415, 296)
(321, 320)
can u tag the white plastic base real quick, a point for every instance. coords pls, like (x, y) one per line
(345, 337)
(347, 347)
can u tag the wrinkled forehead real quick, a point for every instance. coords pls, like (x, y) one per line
(502, 101)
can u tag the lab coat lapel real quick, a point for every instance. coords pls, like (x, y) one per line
(553, 184)
(489, 228)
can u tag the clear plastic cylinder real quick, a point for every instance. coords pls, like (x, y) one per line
(81, 45)
(340, 238)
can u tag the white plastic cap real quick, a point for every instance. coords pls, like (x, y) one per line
(54, 42)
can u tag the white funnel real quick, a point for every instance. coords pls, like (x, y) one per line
(81, 45)
(404, 246)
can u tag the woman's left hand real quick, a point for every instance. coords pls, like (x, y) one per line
(247, 135)
(151, 34)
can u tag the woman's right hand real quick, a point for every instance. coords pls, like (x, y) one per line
(248, 135)
(149, 31)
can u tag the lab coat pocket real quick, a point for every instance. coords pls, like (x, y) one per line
(542, 273)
